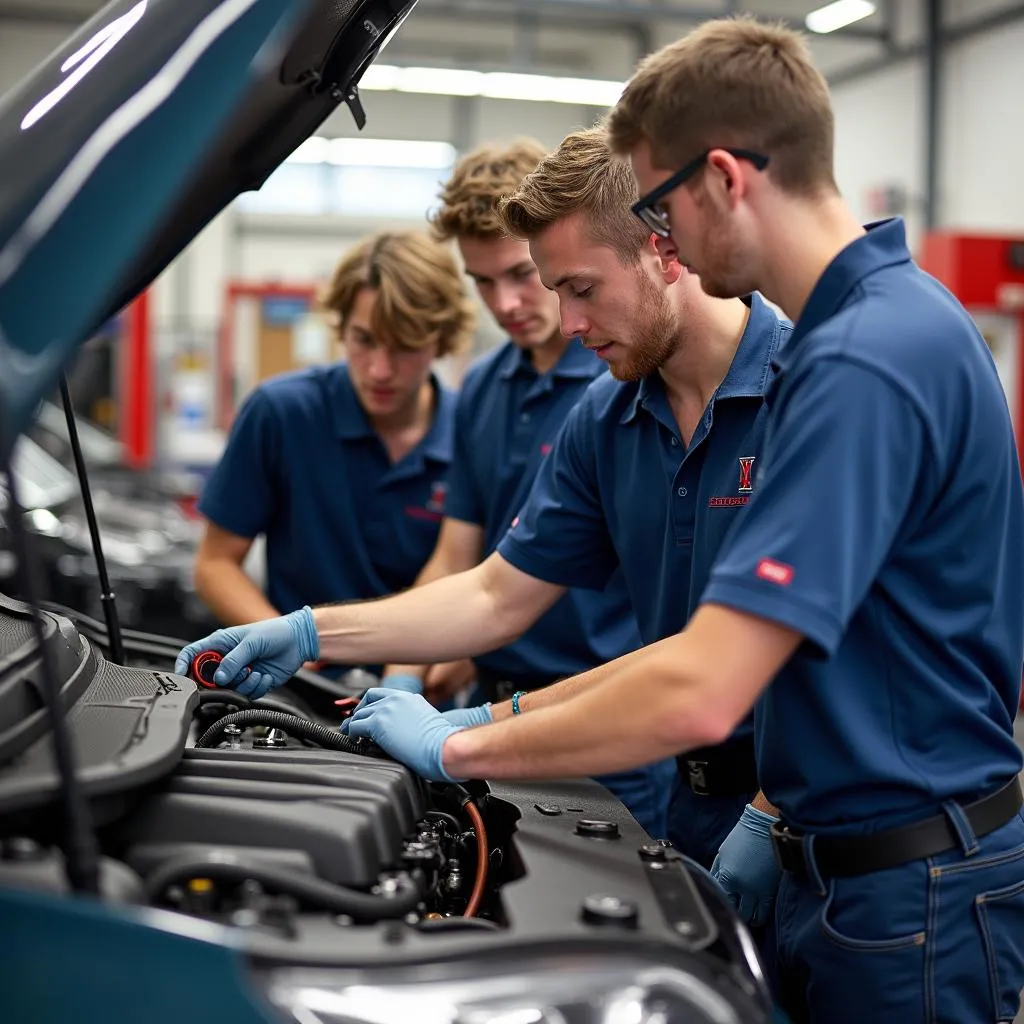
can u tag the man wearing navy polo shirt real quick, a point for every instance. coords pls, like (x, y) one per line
(342, 467)
(877, 573)
(511, 406)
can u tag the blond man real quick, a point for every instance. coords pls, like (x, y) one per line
(342, 467)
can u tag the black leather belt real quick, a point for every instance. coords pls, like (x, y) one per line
(726, 770)
(846, 856)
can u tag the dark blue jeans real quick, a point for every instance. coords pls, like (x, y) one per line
(697, 825)
(936, 941)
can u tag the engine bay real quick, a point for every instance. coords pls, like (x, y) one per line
(310, 849)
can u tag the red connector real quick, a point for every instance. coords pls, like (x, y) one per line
(204, 665)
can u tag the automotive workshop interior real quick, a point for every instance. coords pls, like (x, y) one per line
(308, 306)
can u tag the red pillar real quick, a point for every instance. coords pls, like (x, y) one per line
(137, 391)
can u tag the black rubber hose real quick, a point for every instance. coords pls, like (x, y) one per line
(322, 735)
(457, 924)
(314, 892)
(236, 700)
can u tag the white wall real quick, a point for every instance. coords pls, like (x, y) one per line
(878, 137)
(983, 133)
(880, 131)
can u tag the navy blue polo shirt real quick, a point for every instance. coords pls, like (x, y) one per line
(506, 423)
(887, 527)
(621, 490)
(304, 466)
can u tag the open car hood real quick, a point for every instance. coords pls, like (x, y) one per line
(132, 136)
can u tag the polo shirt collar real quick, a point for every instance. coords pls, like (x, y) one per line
(884, 245)
(576, 362)
(751, 366)
(351, 423)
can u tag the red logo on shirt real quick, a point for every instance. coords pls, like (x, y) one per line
(545, 448)
(434, 508)
(438, 492)
(746, 465)
(775, 572)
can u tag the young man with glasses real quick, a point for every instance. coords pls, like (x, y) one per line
(875, 580)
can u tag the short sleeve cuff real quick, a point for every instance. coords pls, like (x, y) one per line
(583, 574)
(465, 512)
(787, 609)
(229, 516)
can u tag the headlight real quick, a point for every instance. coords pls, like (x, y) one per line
(601, 989)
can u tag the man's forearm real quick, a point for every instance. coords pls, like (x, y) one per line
(566, 689)
(230, 594)
(436, 568)
(647, 707)
(454, 617)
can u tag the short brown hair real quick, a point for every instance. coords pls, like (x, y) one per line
(732, 82)
(422, 297)
(583, 174)
(480, 178)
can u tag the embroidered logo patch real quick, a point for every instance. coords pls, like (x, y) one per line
(774, 572)
(746, 467)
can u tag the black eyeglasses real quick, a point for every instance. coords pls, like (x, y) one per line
(646, 207)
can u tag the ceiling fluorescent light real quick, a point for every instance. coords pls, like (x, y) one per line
(551, 89)
(492, 84)
(433, 81)
(362, 152)
(391, 153)
(835, 16)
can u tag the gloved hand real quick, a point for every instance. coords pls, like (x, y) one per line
(274, 650)
(746, 868)
(470, 717)
(406, 726)
(402, 681)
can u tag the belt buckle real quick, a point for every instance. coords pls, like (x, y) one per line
(698, 779)
(788, 848)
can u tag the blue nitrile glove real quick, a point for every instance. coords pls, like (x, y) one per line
(402, 681)
(469, 716)
(274, 650)
(409, 728)
(746, 868)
